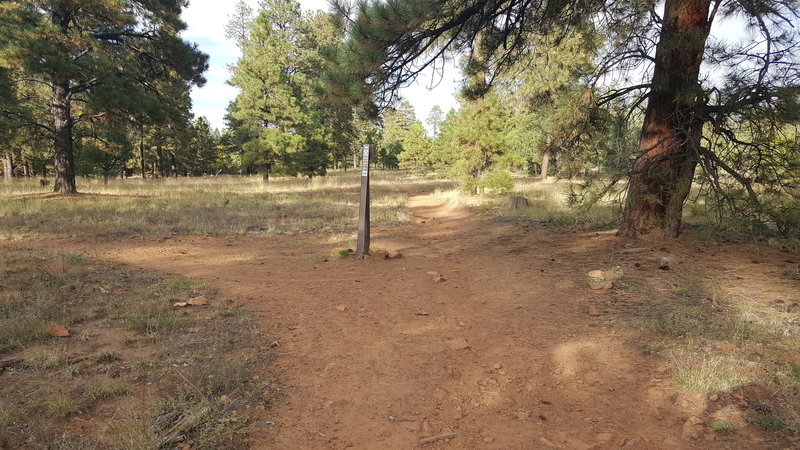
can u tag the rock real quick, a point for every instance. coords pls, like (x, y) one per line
(180, 304)
(458, 344)
(613, 274)
(394, 255)
(197, 301)
(517, 202)
(667, 262)
(439, 279)
(593, 311)
(341, 308)
(599, 283)
(497, 366)
(379, 253)
(57, 331)
(433, 274)
(692, 429)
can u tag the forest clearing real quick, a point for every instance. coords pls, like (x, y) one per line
(387, 224)
(484, 334)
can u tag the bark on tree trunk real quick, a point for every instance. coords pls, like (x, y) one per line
(141, 153)
(546, 159)
(160, 159)
(174, 164)
(664, 169)
(8, 169)
(62, 131)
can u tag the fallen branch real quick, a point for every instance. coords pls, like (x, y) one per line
(11, 362)
(438, 437)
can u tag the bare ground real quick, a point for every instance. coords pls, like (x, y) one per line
(479, 337)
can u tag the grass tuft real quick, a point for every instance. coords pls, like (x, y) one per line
(713, 373)
(769, 422)
(723, 427)
(105, 390)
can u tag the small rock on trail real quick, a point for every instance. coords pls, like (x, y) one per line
(57, 331)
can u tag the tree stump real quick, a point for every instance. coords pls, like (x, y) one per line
(517, 202)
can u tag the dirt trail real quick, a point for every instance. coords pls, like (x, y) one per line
(378, 354)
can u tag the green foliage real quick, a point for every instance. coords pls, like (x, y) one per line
(103, 61)
(416, 148)
(288, 121)
(105, 149)
(552, 105)
(480, 135)
(723, 427)
(402, 134)
(769, 422)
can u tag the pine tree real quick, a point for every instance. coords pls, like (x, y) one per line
(391, 42)
(481, 136)
(97, 58)
(434, 120)
(416, 148)
(283, 103)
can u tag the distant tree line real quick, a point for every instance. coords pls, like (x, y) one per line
(610, 93)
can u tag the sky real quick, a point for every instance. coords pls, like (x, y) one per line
(206, 21)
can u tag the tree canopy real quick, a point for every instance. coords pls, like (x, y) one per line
(90, 60)
(649, 55)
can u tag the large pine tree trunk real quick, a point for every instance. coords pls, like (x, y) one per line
(546, 158)
(663, 170)
(62, 136)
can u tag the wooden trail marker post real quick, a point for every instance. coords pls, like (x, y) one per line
(362, 245)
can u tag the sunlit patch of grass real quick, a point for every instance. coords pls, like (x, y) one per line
(105, 390)
(43, 359)
(225, 205)
(723, 427)
(548, 203)
(710, 373)
(684, 290)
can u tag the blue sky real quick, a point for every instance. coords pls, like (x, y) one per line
(206, 21)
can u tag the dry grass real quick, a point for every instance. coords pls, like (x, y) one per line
(720, 339)
(548, 205)
(225, 205)
(130, 354)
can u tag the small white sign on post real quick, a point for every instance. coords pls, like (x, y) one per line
(362, 245)
(365, 160)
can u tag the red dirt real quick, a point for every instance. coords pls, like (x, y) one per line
(378, 354)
